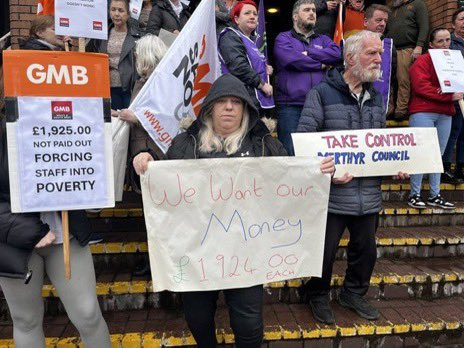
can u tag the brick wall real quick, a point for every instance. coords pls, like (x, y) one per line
(21, 14)
(440, 12)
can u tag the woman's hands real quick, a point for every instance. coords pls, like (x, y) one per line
(125, 115)
(141, 162)
(328, 166)
(47, 240)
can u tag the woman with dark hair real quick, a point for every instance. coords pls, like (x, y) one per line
(241, 58)
(228, 127)
(430, 107)
(42, 36)
(31, 245)
(120, 49)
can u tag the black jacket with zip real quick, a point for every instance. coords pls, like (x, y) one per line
(162, 16)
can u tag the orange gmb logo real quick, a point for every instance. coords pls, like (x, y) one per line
(60, 74)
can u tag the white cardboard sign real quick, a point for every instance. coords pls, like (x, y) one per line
(449, 66)
(135, 8)
(374, 152)
(232, 223)
(60, 157)
(82, 18)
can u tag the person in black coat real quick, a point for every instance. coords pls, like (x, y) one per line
(240, 134)
(170, 15)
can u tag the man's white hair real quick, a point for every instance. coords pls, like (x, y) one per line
(354, 44)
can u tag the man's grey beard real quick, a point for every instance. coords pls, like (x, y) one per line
(365, 75)
(305, 28)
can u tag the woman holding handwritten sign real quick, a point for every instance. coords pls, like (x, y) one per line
(429, 107)
(228, 126)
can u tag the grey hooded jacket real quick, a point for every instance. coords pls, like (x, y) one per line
(330, 106)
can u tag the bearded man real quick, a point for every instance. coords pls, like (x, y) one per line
(301, 59)
(347, 100)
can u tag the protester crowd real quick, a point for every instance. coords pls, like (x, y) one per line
(316, 85)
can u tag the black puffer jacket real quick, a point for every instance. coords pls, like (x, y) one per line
(19, 233)
(259, 141)
(34, 44)
(330, 106)
(126, 66)
(162, 16)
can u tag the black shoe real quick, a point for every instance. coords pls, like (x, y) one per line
(321, 309)
(415, 201)
(451, 178)
(142, 270)
(96, 237)
(439, 202)
(359, 304)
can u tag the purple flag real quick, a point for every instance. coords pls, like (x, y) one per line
(261, 41)
(382, 85)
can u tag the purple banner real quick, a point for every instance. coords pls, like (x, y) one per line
(382, 85)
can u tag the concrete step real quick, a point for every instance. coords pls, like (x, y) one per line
(402, 323)
(128, 249)
(393, 214)
(430, 278)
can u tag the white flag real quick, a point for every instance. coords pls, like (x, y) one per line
(182, 79)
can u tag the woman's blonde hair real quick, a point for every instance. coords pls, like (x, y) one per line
(149, 51)
(211, 142)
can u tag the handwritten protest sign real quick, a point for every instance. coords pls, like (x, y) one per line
(374, 152)
(59, 131)
(82, 18)
(231, 223)
(449, 66)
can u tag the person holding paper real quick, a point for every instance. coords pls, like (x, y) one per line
(31, 245)
(456, 137)
(228, 126)
(302, 59)
(240, 57)
(429, 107)
(122, 35)
(346, 99)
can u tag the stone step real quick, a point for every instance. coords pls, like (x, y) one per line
(128, 249)
(393, 214)
(392, 279)
(402, 323)
(396, 124)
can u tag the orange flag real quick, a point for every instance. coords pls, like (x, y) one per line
(46, 7)
(338, 35)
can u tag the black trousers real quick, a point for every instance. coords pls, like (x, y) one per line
(245, 312)
(362, 253)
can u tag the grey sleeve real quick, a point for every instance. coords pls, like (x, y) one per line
(312, 116)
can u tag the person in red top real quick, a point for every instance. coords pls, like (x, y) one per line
(429, 107)
(354, 18)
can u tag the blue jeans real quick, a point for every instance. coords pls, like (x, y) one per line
(288, 119)
(119, 99)
(443, 125)
(455, 138)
